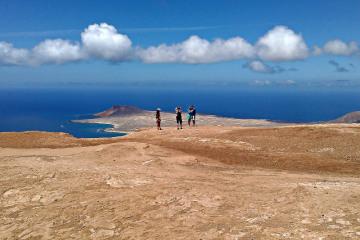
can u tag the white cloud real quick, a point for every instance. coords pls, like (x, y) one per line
(258, 66)
(13, 56)
(338, 47)
(279, 44)
(103, 41)
(197, 50)
(56, 51)
(282, 44)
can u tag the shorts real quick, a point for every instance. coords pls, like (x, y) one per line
(193, 117)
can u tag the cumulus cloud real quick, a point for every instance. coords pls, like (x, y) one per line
(105, 42)
(258, 66)
(282, 44)
(56, 51)
(101, 41)
(279, 44)
(198, 50)
(13, 56)
(338, 47)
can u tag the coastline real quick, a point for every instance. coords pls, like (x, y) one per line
(145, 120)
(95, 130)
(133, 122)
(124, 122)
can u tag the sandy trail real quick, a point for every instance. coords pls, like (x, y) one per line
(202, 183)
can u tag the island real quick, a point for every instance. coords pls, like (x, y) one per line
(131, 118)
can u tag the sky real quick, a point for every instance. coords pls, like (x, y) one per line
(255, 43)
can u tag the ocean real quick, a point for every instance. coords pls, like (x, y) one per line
(52, 109)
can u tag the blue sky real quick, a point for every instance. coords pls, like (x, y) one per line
(247, 42)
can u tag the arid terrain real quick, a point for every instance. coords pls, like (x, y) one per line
(206, 182)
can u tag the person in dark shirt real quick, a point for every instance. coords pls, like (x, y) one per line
(158, 118)
(193, 114)
(178, 117)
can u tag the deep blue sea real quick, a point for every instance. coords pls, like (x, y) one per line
(51, 109)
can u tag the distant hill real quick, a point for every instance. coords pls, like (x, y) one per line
(353, 117)
(119, 110)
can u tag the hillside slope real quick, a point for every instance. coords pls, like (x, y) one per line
(352, 117)
(293, 182)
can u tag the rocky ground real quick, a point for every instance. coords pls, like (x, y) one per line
(288, 182)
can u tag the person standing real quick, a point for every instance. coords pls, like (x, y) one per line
(193, 114)
(189, 115)
(158, 118)
(178, 117)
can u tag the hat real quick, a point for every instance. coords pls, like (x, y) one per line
(158, 109)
